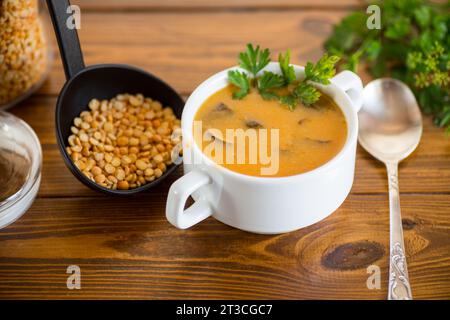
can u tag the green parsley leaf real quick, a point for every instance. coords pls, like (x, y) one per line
(399, 28)
(267, 82)
(254, 59)
(286, 69)
(372, 50)
(323, 70)
(423, 15)
(240, 80)
(290, 101)
(269, 95)
(347, 34)
(306, 93)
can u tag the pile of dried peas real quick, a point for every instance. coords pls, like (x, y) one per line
(23, 48)
(125, 142)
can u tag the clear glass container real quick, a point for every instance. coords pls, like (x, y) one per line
(20, 167)
(25, 54)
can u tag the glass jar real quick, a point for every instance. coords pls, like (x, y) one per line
(20, 167)
(24, 52)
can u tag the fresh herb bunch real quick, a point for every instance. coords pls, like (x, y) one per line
(253, 60)
(412, 45)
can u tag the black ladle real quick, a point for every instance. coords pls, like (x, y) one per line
(102, 81)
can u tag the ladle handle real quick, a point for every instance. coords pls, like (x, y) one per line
(399, 287)
(64, 18)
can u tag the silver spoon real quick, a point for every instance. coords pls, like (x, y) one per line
(390, 127)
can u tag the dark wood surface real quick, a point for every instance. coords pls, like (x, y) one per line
(125, 247)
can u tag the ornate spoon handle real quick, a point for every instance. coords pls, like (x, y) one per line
(399, 287)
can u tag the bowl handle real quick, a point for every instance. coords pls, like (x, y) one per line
(351, 84)
(179, 193)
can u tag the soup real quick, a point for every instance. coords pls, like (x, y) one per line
(300, 140)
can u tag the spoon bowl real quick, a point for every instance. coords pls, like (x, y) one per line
(390, 120)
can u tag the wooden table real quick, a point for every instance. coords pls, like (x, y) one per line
(126, 248)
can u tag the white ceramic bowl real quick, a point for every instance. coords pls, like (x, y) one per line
(266, 205)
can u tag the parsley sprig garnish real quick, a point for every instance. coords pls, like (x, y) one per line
(240, 80)
(411, 44)
(267, 82)
(254, 60)
(286, 69)
(323, 70)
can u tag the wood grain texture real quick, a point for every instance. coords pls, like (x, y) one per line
(127, 249)
(211, 4)
(179, 48)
